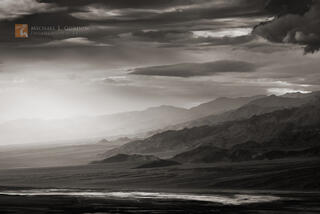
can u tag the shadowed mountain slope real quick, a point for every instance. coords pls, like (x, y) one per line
(258, 106)
(294, 123)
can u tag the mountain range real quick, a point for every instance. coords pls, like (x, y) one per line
(288, 123)
(253, 127)
(135, 123)
(258, 106)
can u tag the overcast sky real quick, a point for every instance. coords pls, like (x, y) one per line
(132, 54)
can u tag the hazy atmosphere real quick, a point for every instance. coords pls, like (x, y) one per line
(206, 49)
(159, 106)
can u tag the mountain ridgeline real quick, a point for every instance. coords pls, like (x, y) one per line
(133, 124)
(290, 123)
(258, 106)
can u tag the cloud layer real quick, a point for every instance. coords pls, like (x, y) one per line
(298, 25)
(72, 42)
(196, 69)
(13, 9)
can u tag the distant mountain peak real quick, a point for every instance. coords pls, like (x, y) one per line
(104, 141)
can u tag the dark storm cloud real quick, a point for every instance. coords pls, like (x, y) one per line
(196, 69)
(283, 7)
(297, 23)
(174, 12)
(122, 3)
(163, 11)
(173, 20)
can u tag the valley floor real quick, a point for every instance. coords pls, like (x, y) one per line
(284, 174)
(295, 182)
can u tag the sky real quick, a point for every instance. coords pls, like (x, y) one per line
(94, 57)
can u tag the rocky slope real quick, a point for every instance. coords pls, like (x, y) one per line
(296, 125)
